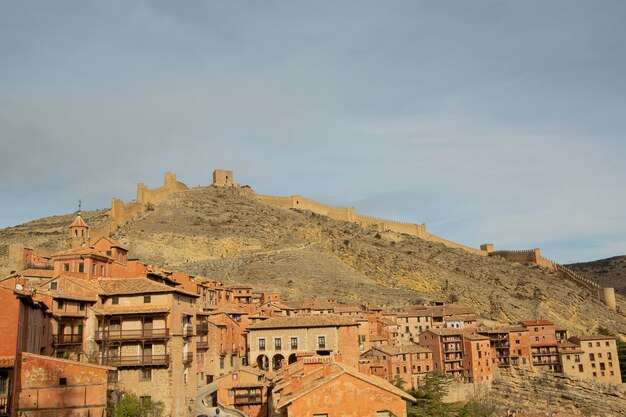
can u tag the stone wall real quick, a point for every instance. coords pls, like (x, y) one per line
(349, 214)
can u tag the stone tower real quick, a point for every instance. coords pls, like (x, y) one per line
(79, 233)
(223, 178)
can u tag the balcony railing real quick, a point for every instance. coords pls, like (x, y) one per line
(248, 399)
(132, 334)
(4, 406)
(202, 345)
(68, 339)
(145, 360)
(187, 357)
(223, 352)
(188, 330)
(202, 328)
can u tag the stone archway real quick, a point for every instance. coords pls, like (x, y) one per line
(277, 361)
(263, 362)
(292, 359)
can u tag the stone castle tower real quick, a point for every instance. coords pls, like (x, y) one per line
(79, 233)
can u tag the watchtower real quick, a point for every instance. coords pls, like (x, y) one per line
(223, 178)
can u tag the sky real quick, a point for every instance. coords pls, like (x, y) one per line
(490, 121)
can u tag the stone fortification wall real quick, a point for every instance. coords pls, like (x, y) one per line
(348, 214)
(157, 195)
(606, 295)
(434, 238)
(122, 212)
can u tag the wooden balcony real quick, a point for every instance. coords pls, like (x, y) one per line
(202, 328)
(188, 330)
(67, 339)
(4, 406)
(137, 334)
(187, 357)
(202, 345)
(145, 360)
(243, 399)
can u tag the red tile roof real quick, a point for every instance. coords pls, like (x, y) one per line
(304, 321)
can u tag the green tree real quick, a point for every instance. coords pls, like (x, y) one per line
(398, 381)
(621, 349)
(429, 397)
(132, 406)
(478, 407)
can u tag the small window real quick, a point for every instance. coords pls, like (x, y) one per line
(321, 341)
(278, 343)
(261, 344)
(115, 301)
(60, 304)
(102, 270)
(294, 343)
(53, 285)
(62, 381)
(81, 267)
(108, 253)
(235, 376)
(145, 374)
(147, 299)
(81, 306)
(66, 267)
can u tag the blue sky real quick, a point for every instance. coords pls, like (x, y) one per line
(490, 121)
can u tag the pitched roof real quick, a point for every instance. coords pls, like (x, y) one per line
(37, 273)
(586, 337)
(309, 384)
(127, 286)
(403, 349)
(536, 323)
(304, 321)
(78, 222)
(7, 361)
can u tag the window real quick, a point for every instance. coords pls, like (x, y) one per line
(115, 301)
(261, 344)
(147, 299)
(590, 344)
(576, 358)
(60, 304)
(62, 381)
(81, 267)
(592, 357)
(235, 376)
(53, 285)
(609, 356)
(321, 341)
(607, 343)
(294, 343)
(108, 253)
(66, 267)
(4, 384)
(93, 269)
(81, 306)
(145, 374)
(598, 344)
(221, 362)
(278, 343)
(102, 270)
(580, 368)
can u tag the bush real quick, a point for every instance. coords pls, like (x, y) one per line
(132, 406)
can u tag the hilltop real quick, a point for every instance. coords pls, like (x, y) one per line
(229, 235)
(610, 272)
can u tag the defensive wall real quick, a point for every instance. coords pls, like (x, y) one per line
(606, 295)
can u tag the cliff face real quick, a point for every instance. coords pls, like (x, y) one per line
(610, 272)
(226, 234)
(552, 392)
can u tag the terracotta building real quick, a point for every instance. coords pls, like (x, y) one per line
(246, 390)
(319, 386)
(408, 363)
(510, 346)
(277, 340)
(591, 357)
(544, 338)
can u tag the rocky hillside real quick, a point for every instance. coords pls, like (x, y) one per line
(610, 272)
(227, 235)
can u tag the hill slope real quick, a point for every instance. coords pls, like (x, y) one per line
(610, 272)
(226, 234)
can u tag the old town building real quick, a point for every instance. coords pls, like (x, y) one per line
(591, 357)
(277, 340)
(406, 363)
